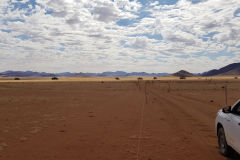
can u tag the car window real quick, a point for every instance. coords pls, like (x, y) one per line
(237, 109)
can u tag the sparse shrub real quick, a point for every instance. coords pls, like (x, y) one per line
(154, 78)
(117, 78)
(54, 78)
(140, 78)
(235, 77)
(16, 78)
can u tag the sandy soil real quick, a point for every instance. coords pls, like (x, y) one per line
(125, 120)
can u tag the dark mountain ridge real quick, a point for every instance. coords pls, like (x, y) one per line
(183, 73)
(231, 69)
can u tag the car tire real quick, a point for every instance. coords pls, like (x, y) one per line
(222, 143)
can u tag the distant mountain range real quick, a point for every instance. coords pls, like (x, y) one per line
(231, 69)
(69, 74)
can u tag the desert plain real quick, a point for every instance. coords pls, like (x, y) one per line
(108, 119)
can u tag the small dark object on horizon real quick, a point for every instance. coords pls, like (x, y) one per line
(117, 78)
(54, 78)
(155, 78)
(16, 78)
(211, 101)
(140, 78)
(235, 77)
(182, 77)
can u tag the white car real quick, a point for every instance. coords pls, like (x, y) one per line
(228, 129)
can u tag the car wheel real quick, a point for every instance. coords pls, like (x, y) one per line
(222, 143)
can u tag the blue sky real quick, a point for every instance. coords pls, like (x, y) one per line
(111, 35)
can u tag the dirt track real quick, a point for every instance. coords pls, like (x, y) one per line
(102, 121)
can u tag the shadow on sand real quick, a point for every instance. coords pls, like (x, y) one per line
(235, 156)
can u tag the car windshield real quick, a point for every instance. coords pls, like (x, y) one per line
(236, 105)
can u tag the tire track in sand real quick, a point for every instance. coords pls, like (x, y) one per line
(192, 129)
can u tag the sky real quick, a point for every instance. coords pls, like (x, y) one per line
(118, 35)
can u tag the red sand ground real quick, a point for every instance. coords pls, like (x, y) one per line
(102, 121)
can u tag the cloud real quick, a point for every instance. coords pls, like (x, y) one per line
(139, 43)
(73, 20)
(128, 35)
(106, 14)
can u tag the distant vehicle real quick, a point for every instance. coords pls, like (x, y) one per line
(54, 78)
(228, 129)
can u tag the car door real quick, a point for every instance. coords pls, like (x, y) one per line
(235, 128)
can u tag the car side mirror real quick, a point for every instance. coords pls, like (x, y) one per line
(227, 109)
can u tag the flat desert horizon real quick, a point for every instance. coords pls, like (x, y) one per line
(113, 78)
(106, 119)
